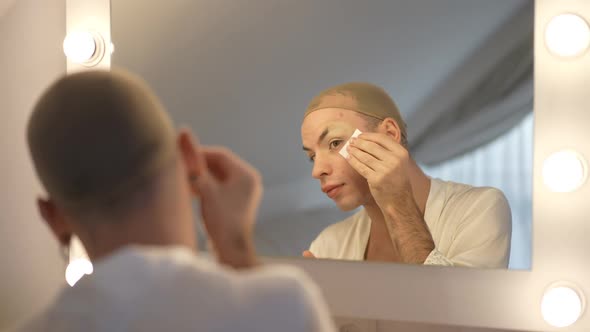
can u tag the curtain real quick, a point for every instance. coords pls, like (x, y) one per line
(482, 99)
(507, 164)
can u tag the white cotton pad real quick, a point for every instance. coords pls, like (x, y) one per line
(343, 152)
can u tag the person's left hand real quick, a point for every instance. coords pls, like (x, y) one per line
(384, 163)
(308, 254)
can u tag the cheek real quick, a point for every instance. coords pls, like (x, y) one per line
(354, 178)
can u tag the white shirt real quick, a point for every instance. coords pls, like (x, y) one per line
(470, 226)
(171, 289)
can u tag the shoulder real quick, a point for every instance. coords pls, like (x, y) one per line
(474, 198)
(329, 242)
(275, 278)
(280, 297)
(343, 227)
(260, 298)
(486, 207)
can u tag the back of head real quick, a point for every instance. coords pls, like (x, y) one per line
(361, 97)
(95, 137)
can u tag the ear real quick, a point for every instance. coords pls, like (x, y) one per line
(192, 159)
(56, 220)
(391, 128)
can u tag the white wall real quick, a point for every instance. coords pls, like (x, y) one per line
(31, 269)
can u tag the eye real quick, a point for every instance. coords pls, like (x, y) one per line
(335, 143)
(312, 158)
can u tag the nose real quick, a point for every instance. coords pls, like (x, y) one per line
(321, 167)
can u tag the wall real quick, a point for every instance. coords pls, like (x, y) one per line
(31, 33)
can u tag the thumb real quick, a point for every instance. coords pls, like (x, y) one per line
(203, 184)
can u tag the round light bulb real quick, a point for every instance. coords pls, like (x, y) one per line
(567, 35)
(564, 171)
(80, 46)
(77, 269)
(561, 306)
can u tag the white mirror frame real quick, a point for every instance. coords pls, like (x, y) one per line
(461, 296)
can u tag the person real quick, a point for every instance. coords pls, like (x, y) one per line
(119, 177)
(406, 216)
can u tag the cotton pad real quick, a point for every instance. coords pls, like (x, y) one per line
(344, 151)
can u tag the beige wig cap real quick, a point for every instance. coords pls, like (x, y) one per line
(95, 136)
(361, 97)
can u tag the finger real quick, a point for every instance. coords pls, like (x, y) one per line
(226, 162)
(358, 165)
(200, 180)
(368, 159)
(230, 169)
(385, 141)
(308, 254)
(374, 149)
(219, 162)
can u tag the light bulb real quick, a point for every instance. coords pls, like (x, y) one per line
(80, 46)
(77, 269)
(567, 35)
(564, 171)
(561, 306)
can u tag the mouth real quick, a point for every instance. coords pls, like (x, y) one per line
(332, 190)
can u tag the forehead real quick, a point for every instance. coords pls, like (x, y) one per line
(334, 99)
(315, 122)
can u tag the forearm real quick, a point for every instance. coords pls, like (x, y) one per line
(409, 232)
(236, 251)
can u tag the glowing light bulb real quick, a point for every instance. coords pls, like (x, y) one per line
(77, 269)
(564, 171)
(561, 306)
(567, 35)
(80, 46)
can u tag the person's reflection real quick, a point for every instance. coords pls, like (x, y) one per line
(407, 216)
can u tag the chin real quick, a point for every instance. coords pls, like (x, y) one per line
(347, 206)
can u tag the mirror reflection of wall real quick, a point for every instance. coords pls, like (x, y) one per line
(241, 74)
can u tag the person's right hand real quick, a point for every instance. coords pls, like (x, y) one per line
(230, 190)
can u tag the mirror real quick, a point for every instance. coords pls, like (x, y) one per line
(241, 74)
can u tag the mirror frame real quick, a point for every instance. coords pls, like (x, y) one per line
(505, 299)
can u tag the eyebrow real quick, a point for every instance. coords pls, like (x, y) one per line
(320, 139)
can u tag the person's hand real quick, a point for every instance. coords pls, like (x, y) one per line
(308, 254)
(230, 190)
(383, 163)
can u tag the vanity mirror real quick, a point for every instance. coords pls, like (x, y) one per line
(241, 75)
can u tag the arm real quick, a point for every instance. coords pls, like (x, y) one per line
(408, 230)
(229, 190)
(236, 251)
(386, 164)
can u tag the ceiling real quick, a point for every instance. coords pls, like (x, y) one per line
(241, 73)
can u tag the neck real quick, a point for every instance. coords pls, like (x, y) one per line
(113, 236)
(163, 216)
(420, 189)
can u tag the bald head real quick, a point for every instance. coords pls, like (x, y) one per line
(96, 136)
(361, 97)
